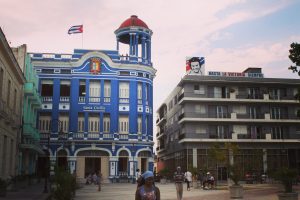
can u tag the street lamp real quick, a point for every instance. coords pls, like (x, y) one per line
(48, 152)
(133, 174)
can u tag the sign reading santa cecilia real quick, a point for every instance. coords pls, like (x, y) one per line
(236, 74)
(94, 108)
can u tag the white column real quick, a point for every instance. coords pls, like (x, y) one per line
(195, 157)
(265, 160)
(72, 163)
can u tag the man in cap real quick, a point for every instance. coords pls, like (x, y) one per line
(179, 179)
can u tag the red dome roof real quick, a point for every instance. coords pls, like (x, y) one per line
(133, 21)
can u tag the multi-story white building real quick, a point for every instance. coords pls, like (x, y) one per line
(256, 113)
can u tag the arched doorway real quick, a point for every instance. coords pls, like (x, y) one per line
(43, 164)
(143, 157)
(91, 162)
(123, 163)
(61, 159)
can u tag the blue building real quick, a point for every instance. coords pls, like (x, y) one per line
(97, 106)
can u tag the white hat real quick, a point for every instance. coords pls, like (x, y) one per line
(208, 173)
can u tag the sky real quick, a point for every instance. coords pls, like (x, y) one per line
(232, 35)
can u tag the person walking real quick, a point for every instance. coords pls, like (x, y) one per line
(179, 179)
(147, 191)
(99, 179)
(138, 177)
(188, 177)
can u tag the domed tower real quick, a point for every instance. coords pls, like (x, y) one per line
(136, 34)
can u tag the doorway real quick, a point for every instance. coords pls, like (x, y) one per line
(61, 159)
(92, 165)
(144, 164)
(222, 173)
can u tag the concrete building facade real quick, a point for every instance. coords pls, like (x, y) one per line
(260, 115)
(29, 146)
(11, 99)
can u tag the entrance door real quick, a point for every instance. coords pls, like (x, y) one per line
(144, 164)
(61, 159)
(123, 164)
(92, 165)
(222, 173)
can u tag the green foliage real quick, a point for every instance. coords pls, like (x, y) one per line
(295, 53)
(165, 172)
(286, 176)
(65, 185)
(235, 174)
(222, 155)
(217, 153)
(295, 57)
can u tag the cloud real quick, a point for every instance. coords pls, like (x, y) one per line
(265, 55)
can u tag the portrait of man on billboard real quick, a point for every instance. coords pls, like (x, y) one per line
(195, 65)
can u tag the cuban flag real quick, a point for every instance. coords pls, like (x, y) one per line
(76, 29)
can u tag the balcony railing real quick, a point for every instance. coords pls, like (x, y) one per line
(47, 99)
(106, 99)
(64, 99)
(97, 136)
(81, 99)
(94, 99)
(124, 100)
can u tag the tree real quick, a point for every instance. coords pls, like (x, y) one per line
(225, 156)
(295, 57)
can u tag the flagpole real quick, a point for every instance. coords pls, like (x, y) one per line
(82, 40)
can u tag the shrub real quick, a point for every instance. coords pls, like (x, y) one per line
(235, 174)
(65, 185)
(286, 176)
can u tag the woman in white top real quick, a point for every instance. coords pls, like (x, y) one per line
(188, 176)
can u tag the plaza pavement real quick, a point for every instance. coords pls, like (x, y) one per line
(126, 191)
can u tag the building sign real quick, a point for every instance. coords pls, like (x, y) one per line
(236, 74)
(94, 108)
(195, 65)
(95, 67)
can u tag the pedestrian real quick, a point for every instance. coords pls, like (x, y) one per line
(147, 191)
(94, 178)
(138, 177)
(99, 178)
(200, 179)
(179, 179)
(89, 179)
(188, 178)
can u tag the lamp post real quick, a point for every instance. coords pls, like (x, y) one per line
(48, 152)
(133, 174)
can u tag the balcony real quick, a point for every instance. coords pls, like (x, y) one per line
(64, 99)
(124, 100)
(81, 99)
(233, 117)
(29, 130)
(221, 135)
(251, 136)
(181, 136)
(163, 119)
(99, 136)
(94, 99)
(106, 99)
(46, 99)
(29, 88)
(233, 97)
